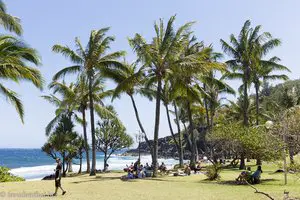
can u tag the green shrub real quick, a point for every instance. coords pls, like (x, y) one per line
(5, 176)
(213, 172)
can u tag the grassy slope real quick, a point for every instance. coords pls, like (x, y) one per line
(109, 186)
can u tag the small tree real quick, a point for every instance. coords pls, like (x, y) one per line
(62, 142)
(111, 136)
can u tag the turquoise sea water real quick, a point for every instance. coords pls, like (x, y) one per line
(35, 164)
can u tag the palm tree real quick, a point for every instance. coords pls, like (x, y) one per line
(195, 61)
(129, 81)
(9, 22)
(167, 98)
(90, 61)
(243, 52)
(157, 58)
(213, 88)
(15, 58)
(76, 98)
(262, 70)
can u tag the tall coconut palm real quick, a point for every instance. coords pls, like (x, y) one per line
(262, 70)
(90, 61)
(14, 66)
(9, 22)
(157, 58)
(243, 52)
(129, 81)
(194, 61)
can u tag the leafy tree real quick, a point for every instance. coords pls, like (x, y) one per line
(288, 129)
(111, 137)
(90, 62)
(75, 98)
(62, 142)
(233, 138)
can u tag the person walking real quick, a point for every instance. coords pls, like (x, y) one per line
(58, 177)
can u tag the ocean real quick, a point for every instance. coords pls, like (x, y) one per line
(33, 164)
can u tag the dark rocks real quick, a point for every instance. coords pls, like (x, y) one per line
(50, 177)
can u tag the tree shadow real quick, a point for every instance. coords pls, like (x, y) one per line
(233, 182)
(98, 178)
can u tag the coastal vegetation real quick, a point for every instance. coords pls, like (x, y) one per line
(184, 75)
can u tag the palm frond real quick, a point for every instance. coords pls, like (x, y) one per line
(14, 99)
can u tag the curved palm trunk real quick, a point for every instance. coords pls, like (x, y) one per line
(156, 127)
(206, 107)
(86, 145)
(140, 124)
(171, 129)
(180, 137)
(93, 170)
(191, 131)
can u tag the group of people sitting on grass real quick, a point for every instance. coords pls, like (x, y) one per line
(252, 178)
(188, 169)
(137, 170)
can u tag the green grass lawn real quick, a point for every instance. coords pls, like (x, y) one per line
(110, 186)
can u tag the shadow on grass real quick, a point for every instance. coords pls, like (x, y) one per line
(97, 178)
(232, 182)
(235, 183)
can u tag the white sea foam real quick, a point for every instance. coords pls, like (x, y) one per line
(115, 163)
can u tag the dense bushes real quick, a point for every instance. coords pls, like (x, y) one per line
(6, 176)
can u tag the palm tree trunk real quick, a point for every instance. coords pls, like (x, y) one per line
(245, 109)
(80, 165)
(291, 155)
(242, 163)
(156, 127)
(245, 93)
(70, 166)
(257, 102)
(105, 161)
(191, 132)
(187, 138)
(86, 145)
(171, 129)
(206, 108)
(140, 125)
(93, 171)
(258, 160)
(180, 137)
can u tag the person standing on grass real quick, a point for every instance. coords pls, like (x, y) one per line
(58, 177)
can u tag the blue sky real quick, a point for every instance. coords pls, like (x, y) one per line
(46, 23)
